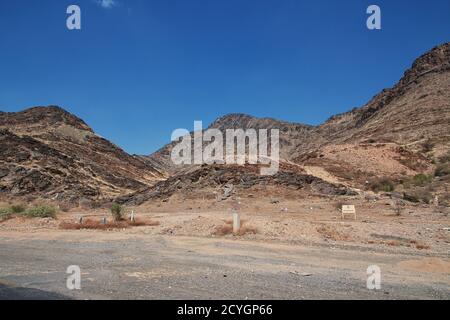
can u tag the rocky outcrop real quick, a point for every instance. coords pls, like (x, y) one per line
(48, 152)
(227, 179)
(414, 111)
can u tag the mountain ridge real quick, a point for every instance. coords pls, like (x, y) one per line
(57, 155)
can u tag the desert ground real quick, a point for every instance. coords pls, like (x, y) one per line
(288, 249)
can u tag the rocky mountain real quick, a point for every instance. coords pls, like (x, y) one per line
(401, 132)
(386, 136)
(49, 153)
(222, 182)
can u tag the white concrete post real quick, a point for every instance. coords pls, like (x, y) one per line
(236, 222)
(132, 218)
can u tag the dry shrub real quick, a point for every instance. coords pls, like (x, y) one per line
(247, 230)
(382, 185)
(66, 206)
(85, 203)
(139, 223)
(331, 233)
(338, 205)
(223, 230)
(442, 170)
(227, 229)
(18, 208)
(393, 243)
(422, 246)
(99, 225)
(417, 196)
(427, 146)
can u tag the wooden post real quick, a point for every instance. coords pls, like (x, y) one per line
(236, 223)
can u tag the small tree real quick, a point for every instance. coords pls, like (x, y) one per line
(117, 212)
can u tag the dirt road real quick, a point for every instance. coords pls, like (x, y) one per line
(117, 266)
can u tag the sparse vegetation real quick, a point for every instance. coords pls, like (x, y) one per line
(331, 233)
(227, 229)
(18, 208)
(445, 158)
(418, 196)
(118, 212)
(422, 179)
(66, 206)
(442, 170)
(338, 205)
(422, 246)
(382, 185)
(99, 225)
(5, 214)
(427, 146)
(42, 211)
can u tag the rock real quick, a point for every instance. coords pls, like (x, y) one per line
(68, 159)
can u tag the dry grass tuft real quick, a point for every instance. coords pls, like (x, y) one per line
(331, 233)
(139, 223)
(422, 246)
(247, 230)
(98, 225)
(393, 243)
(227, 229)
(223, 230)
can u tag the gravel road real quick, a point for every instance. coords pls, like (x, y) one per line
(173, 267)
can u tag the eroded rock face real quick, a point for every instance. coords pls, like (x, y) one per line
(415, 111)
(231, 177)
(48, 152)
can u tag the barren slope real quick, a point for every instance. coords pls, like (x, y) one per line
(48, 152)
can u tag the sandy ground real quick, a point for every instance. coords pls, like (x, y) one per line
(307, 251)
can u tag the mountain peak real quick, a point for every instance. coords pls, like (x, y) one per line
(435, 60)
(49, 116)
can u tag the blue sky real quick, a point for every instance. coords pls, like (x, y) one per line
(139, 69)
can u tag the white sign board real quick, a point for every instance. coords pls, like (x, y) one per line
(348, 209)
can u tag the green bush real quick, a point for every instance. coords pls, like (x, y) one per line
(383, 185)
(18, 208)
(5, 213)
(40, 212)
(117, 212)
(421, 179)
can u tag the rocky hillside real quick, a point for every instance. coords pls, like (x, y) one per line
(400, 133)
(400, 130)
(223, 182)
(50, 153)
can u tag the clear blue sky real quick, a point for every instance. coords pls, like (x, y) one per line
(142, 68)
